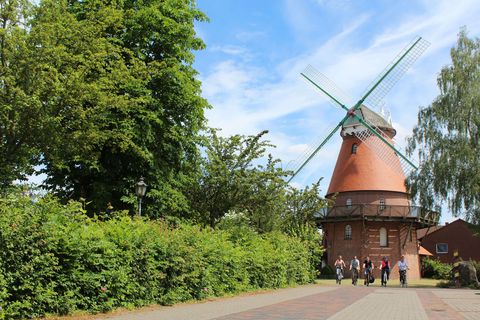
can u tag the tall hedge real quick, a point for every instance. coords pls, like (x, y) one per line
(54, 260)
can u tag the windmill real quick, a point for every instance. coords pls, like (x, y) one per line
(371, 212)
(354, 123)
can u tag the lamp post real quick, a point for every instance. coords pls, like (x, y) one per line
(140, 189)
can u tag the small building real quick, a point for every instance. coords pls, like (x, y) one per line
(443, 241)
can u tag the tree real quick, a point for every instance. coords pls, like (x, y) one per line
(446, 136)
(232, 178)
(19, 104)
(123, 101)
(238, 177)
(302, 208)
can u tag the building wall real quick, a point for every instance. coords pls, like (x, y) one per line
(366, 241)
(459, 236)
(368, 197)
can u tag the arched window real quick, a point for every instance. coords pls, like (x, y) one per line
(348, 232)
(354, 148)
(349, 203)
(382, 204)
(383, 237)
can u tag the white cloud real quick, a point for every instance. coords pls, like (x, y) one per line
(248, 98)
(230, 50)
(246, 36)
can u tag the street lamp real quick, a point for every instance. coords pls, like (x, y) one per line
(140, 189)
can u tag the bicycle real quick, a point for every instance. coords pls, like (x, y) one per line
(368, 275)
(403, 278)
(384, 276)
(339, 275)
(354, 276)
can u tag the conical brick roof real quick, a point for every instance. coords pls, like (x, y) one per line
(365, 170)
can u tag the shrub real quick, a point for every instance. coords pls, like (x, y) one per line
(327, 271)
(435, 269)
(55, 260)
(476, 264)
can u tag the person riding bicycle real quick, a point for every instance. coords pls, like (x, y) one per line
(385, 271)
(355, 268)
(402, 269)
(368, 268)
(339, 266)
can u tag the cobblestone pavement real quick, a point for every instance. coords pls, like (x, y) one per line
(327, 302)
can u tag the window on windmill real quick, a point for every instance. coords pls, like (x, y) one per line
(348, 232)
(382, 204)
(383, 237)
(442, 247)
(354, 148)
(349, 203)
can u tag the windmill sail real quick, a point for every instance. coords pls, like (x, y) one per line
(394, 71)
(336, 95)
(369, 133)
(382, 150)
(312, 151)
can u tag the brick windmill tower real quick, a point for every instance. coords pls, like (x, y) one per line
(372, 214)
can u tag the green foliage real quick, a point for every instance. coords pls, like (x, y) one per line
(114, 97)
(447, 136)
(232, 178)
(435, 269)
(327, 271)
(129, 104)
(237, 177)
(55, 260)
(20, 110)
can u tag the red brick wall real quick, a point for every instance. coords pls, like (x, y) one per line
(459, 237)
(366, 241)
(368, 197)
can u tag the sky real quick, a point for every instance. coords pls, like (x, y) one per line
(256, 49)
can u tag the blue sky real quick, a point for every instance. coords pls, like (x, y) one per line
(256, 50)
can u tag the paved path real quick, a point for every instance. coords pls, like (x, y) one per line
(326, 302)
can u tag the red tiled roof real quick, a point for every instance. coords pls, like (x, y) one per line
(365, 171)
(424, 252)
(423, 232)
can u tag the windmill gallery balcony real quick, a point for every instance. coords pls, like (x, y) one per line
(372, 212)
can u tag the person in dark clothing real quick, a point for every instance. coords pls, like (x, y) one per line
(385, 271)
(367, 269)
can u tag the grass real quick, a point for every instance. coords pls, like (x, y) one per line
(421, 283)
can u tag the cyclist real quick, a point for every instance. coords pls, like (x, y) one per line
(355, 268)
(402, 269)
(385, 271)
(368, 268)
(339, 266)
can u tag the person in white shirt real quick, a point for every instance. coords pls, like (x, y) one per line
(402, 269)
(355, 268)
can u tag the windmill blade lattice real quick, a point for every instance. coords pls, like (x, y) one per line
(336, 96)
(382, 150)
(312, 150)
(394, 71)
(372, 136)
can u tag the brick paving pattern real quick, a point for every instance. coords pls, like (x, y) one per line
(385, 303)
(325, 302)
(319, 306)
(465, 302)
(436, 308)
